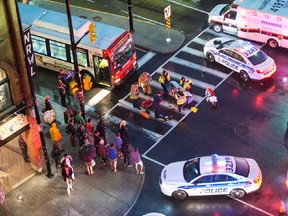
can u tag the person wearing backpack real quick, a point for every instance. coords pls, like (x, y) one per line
(68, 161)
(55, 154)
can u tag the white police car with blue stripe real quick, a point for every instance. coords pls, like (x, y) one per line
(211, 175)
(240, 56)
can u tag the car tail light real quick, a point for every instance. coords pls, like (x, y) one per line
(257, 179)
(259, 71)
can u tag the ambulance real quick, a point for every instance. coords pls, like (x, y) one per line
(264, 21)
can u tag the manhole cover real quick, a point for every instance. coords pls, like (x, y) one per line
(97, 18)
(241, 130)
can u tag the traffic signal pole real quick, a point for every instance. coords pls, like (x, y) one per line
(75, 60)
(129, 4)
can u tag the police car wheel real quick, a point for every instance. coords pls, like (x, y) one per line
(217, 28)
(237, 193)
(244, 76)
(272, 43)
(210, 57)
(180, 195)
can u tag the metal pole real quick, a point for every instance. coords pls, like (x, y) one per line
(76, 66)
(38, 119)
(130, 16)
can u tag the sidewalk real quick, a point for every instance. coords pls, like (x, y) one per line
(103, 193)
(147, 35)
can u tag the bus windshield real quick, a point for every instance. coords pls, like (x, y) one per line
(123, 54)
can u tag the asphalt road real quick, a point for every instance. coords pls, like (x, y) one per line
(251, 121)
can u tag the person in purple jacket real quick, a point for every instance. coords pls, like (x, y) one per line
(135, 156)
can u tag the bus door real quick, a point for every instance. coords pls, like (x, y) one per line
(102, 71)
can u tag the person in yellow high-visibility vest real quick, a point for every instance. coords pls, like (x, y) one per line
(144, 81)
(164, 79)
(181, 99)
(186, 84)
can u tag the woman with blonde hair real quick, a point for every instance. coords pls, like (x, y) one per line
(123, 130)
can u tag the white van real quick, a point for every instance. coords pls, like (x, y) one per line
(263, 21)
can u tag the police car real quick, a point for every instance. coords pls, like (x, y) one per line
(240, 56)
(211, 175)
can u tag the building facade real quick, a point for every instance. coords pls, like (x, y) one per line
(17, 113)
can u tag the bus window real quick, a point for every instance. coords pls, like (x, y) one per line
(82, 57)
(39, 45)
(58, 50)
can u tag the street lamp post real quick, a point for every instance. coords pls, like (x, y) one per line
(129, 4)
(76, 66)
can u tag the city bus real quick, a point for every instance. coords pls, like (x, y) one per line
(107, 62)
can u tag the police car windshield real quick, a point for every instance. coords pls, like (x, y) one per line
(191, 170)
(258, 58)
(242, 167)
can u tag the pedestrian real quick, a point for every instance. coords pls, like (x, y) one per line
(97, 140)
(24, 147)
(125, 150)
(80, 130)
(112, 157)
(180, 96)
(67, 176)
(118, 142)
(102, 150)
(90, 130)
(62, 92)
(55, 154)
(48, 105)
(123, 130)
(68, 160)
(156, 104)
(164, 79)
(79, 118)
(145, 82)
(84, 140)
(56, 136)
(89, 166)
(62, 79)
(134, 95)
(70, 129)
(135, 156)
(71, 113)
(101, 127)
(186, 84)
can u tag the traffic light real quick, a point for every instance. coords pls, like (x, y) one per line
(92, 29)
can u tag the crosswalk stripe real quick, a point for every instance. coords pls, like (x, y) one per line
(129, 106)
(193, 52)
(199, 67)
(150, 134)
(149, 55)
(200, 41)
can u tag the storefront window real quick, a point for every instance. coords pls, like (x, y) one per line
(5, 96)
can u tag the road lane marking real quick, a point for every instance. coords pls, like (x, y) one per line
(251, 206)
(97, 98)
(144, 18)
(187, 6)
